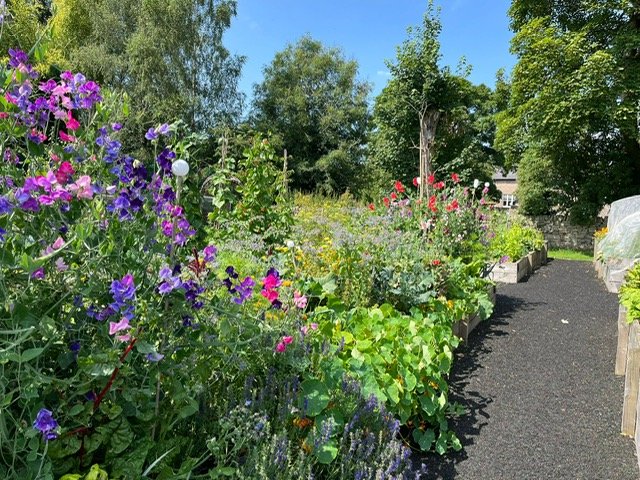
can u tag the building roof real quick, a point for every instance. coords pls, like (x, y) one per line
(499, 175)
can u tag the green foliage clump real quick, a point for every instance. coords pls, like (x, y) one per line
(253, 199)
(630, 293)
(513, 238)
(312, 101)
(536, 195)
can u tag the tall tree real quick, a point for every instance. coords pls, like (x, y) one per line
(167, 55)
(573, 113)
(311, 99)
(428, 118)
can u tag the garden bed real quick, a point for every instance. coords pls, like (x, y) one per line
(628, 364)
(514, 272)
(463, 328)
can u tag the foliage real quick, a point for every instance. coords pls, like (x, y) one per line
(630, 293)
(402, 360)
(513, 238)
(254, 202)
(167, 56)
(536, 179)
(21, 24)
(574, 101)
(465, 130)
(311, 99)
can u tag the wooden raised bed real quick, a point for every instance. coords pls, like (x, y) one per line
(513, 272)
(463, 328)
(628, 364)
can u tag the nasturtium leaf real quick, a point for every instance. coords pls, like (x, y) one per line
(424, 439)
(314, 397)
(327, 452)
(392, 392)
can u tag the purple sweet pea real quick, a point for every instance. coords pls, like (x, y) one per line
(151, 134)
(154, 357)
(46, 424)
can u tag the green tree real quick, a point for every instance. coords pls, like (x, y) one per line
(23, 23)
(311, 100)
(168, 56)
(428, 119)
(574, 99)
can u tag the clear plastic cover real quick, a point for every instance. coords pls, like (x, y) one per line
(620, 248)
(622, 208)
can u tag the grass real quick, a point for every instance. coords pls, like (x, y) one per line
(566, 254)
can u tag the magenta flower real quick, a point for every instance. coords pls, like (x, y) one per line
(271, 295)
(66, 138)
(281, 347)
(72, 123)
(287, 340)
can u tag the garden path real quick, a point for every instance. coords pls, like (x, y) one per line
(537, 381)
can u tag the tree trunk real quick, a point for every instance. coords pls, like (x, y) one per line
(428, 123)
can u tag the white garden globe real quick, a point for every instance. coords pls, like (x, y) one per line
(180, 168)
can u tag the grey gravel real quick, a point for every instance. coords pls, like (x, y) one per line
(538, 384)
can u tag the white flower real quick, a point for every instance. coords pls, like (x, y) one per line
(476, 183)
(290, 244)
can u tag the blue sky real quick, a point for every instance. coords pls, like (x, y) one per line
(369, 31)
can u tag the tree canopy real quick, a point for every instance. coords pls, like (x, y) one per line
(168, 56)
(313, 103)
(573, 109)
(424, 100)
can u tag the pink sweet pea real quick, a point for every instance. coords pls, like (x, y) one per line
(82, 187)
(299, 300)
(288, 340)
(58, 244)
(66, 138)
(72, 123)
(271, 295)
(281, 347)
(114, 327)
(271, 281)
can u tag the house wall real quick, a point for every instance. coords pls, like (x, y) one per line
(561, 233)
(507, 188)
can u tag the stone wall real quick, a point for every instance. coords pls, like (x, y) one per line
(561, 233)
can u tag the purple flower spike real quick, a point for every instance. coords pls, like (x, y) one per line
(46, 424)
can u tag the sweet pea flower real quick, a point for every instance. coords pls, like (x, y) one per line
(299, 300)
(60, 265)
(71, 123)
(114, 327)
(66, 138)
(281, 347)
(82, 187)
(46, 424)
(287, 340)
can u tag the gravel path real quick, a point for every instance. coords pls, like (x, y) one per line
(537, 381)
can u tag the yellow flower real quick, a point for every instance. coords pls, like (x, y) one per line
(287, 283)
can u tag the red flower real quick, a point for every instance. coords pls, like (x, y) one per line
(386, 201)
(394, 196)
(453, 206)
(455, 178)
(435, 263)
(438, 186)
(415, 182)
(431, 179)
(372, 207)
(432, 203)
(399, 186)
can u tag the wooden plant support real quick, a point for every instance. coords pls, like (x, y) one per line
(631, 382)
